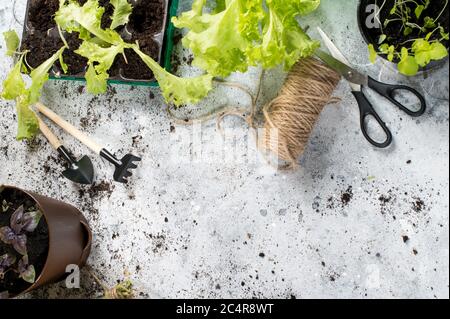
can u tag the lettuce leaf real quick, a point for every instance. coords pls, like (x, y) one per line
(121, 14)
(101, 47)
(12, 42)
(28, 124)
(100, 61)
(284, 42)
(14, 85)
(14, 88)
(40, 75)
(178, 90)
(219, 41)
(247, 33)
(86, 20)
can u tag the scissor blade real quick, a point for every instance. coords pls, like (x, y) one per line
(339, 63)
(335, 52)
(355, 78)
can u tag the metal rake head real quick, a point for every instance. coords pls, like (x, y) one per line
(123, 171)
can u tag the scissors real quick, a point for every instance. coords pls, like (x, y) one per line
(358, 81)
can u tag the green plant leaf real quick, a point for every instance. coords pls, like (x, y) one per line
(425, 52)
(429, 23)
(28, 124)
(372, 53)
(96, 83)
(178, 90)
(14, 85)
(64, 66)
(384, 48)
(85, 20)
(40, 75)
(444, 35)
(247, 33)
(100, 61)
(391, 53)
(12, 42)
(438, 51)
(418, 11)
(407, 31)
(14, 88)
(219, 41)
(99, 46)
(382, 38)
(393, 9)
(121, 14)
(407, 65)
(283, 42)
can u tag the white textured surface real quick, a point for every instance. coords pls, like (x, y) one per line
(222, 215)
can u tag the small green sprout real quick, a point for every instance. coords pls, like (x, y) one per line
(416, 52)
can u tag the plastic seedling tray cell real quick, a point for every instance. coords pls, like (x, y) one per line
(158, 44)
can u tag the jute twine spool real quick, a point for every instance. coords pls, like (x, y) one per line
(292, 115)
(289, 119)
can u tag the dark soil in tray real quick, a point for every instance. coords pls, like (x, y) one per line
(37, 241)
(396, 37)
(146, 21)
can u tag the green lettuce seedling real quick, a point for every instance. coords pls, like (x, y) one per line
(237, 34)
(14, 86)
(101, 46)
(243, 33)
(423, 50)
(121, 14)
(12, 42)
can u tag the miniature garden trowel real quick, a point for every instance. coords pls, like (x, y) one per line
(82, 171)
(123, 166)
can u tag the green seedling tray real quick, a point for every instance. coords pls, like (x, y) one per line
(166, 57)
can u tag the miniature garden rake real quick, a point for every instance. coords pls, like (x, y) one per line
(123, 166)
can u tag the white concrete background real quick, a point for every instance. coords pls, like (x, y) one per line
(197, 229)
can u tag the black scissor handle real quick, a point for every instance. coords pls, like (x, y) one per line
(388, 91)
(367, 110)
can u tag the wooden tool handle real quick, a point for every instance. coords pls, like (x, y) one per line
(69, 128)
(54, 141)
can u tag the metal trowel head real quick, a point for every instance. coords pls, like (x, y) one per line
(81, 172)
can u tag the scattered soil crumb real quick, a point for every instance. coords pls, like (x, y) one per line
(136, 139)
(347, 196)
(418, 205)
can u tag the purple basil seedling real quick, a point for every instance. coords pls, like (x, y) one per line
(21, 222)
(6, 261)
(26, 271)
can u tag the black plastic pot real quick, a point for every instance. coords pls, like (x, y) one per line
(163, 38)
(363, 15)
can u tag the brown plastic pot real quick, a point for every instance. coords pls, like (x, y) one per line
(70, 238)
